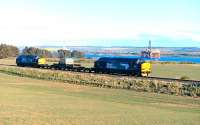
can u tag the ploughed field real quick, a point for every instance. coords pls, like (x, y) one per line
(25, 101)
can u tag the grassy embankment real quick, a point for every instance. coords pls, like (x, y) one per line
(25, 101)
(108, 81)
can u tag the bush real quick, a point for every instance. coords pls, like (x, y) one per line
(184, 78)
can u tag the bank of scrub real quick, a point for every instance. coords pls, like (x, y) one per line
(139, 84)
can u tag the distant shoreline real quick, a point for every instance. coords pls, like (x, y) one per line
(168, 58)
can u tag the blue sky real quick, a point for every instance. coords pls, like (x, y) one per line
(100, 22)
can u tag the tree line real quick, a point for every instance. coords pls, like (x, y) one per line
(69, 54)
(8, 51)
(36, 51)
(12, 51)
(49, 54)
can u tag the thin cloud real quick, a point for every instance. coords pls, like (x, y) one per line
(33, 25)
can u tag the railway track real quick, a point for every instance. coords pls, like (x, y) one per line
(194, 82)
(187, 82)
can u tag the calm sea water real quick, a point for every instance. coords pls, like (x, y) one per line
(163, 58)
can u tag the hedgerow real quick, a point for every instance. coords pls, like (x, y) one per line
(137, 84)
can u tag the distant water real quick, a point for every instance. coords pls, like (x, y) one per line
(163, 58)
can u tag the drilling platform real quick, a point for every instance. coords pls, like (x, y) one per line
(150, 53)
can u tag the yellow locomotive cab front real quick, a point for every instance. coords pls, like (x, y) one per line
(145, 69)
(41, 61)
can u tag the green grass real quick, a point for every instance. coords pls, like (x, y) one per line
(25, 101)
(176, 70)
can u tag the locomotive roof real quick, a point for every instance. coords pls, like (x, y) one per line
(28, 56)
(123, 59)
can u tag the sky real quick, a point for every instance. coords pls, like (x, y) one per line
(167, 23)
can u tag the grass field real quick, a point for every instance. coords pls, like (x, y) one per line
(176, 70)
(25, 101)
